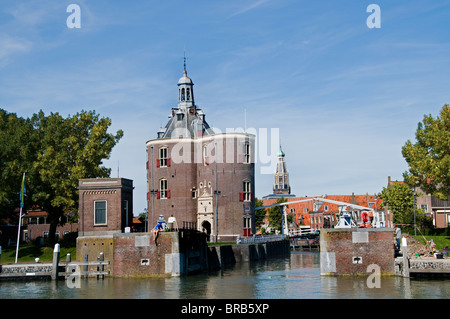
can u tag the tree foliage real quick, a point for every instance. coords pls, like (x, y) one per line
(399, 198)
(55, 152)
(275, 214)
(17, 150)
(260, 214)
(429, 157)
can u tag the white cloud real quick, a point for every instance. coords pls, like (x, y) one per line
(12, 46)
(249, 7)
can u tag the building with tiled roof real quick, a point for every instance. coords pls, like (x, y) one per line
(318, 215)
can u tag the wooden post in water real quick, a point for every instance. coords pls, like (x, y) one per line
(85, 266)
(55, 270)
(101, 258)
(405, 258)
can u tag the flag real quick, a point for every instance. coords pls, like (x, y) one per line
(22, 191)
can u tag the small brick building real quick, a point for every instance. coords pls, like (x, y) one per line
(105, 206)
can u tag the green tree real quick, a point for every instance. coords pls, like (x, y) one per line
(275, 214)
(429, 157)
(54, 152)
(399, 198)
(17, 152)
(70, 149)
(260, 214)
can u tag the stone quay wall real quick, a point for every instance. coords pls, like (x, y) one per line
(26, 271)
(221, 255)
(147, 254)
(350, 251)
(424, 267)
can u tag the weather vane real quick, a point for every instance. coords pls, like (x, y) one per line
(185, 60)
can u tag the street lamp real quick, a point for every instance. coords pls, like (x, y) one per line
(146, 218)
(152, 192)
(414, 208)
(217, 194)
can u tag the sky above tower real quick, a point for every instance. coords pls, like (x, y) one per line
(343, 92)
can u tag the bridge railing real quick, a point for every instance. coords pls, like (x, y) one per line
(300, 232)
(259, 239)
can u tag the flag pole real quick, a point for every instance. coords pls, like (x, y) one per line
(22, 195)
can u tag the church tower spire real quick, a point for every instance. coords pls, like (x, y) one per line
(281, 184)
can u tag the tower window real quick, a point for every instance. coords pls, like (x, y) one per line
(182, 94)
(247, 191)
(164, 192)
(205, 156)
(163, 160)
(246, 153)
(188, 94)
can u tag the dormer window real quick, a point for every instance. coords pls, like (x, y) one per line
(180, 115)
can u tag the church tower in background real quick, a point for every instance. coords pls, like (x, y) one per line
(281, 184)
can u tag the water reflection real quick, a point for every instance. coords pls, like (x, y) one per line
(296, 277)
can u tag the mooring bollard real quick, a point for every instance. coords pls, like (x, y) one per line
(55, 270)
(101, 258)
(85, 266)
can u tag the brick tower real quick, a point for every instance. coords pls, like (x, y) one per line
(203, 179)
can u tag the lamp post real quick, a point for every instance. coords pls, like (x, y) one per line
(414, 208)
(217, 194)
(152, 191)
(146, 218)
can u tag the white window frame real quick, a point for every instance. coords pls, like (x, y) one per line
(163, 187)
(163, 156)
(247, 191)
(95, 213)
(246, 155)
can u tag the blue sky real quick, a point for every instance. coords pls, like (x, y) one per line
(344, 97)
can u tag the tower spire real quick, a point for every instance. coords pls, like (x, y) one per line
(184, 65)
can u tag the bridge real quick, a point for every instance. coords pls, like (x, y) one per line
(345, 220)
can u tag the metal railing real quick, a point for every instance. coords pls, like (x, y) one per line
(259, 239)
(300, 232)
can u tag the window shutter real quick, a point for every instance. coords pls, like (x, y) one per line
(241, 197)
(148, 195)
(158, 195)
(168, 193)
(157, 162)
(148, 165)
(168, 162)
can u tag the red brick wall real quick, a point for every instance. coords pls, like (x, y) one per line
(131, 249)
(184, 176)
(112, 190)
(345, 244)
(37, 230)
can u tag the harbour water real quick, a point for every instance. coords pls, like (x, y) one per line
(295, 277)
